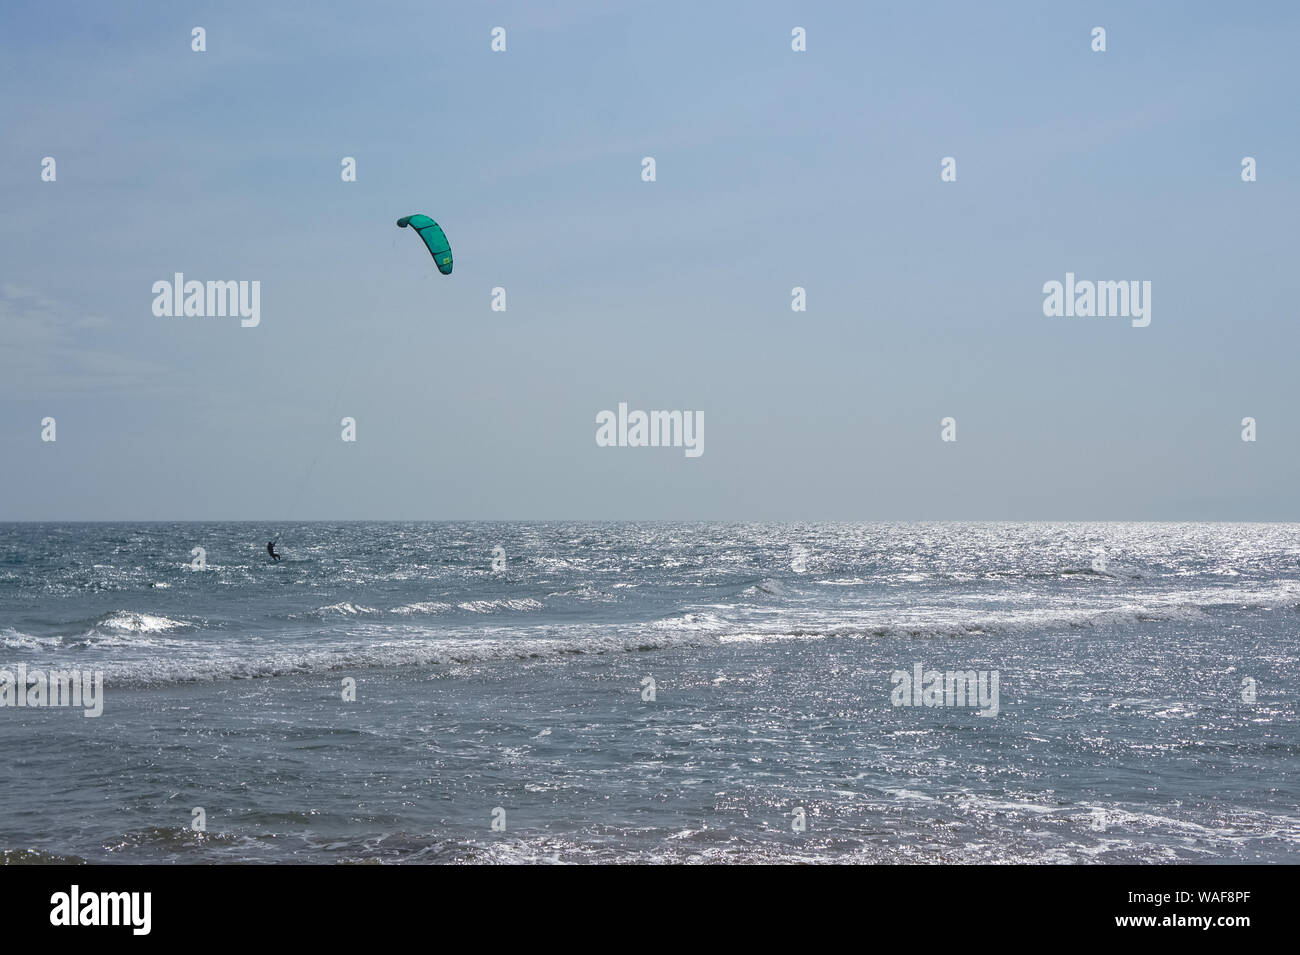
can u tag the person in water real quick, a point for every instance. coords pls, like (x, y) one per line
(270, 549)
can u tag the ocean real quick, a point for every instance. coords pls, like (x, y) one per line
(652, 692)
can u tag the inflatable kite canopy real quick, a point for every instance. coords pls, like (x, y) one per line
(434, 239)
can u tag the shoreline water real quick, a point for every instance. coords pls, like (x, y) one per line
(1122, 733)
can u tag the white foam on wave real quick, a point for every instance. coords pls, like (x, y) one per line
(428, 606)
(126, 621)
(134, 641)
(343, 609)
(349, 609)
(947, 620)
(413, 650)
(11, 639)
(585, 592)
(691, 621)
(491, 606)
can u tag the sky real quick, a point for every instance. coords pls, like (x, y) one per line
(774, 169)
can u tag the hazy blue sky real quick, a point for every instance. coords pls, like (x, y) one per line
(775, 169)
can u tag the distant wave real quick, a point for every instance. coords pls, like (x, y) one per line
(231, 664)
(428, 606)
(691, 622)
(946, 624)
(491, 606)
(381, 641)
(348, 609)
(11, 639)
(125, 621)
(341, 609)
(767, 587)
(121, 627)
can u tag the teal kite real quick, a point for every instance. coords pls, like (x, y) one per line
(433, 237)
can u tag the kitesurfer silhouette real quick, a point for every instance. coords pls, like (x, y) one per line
(270, 549)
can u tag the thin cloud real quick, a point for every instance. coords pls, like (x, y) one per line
(43, 350)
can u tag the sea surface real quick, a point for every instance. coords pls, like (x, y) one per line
(661, 693)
